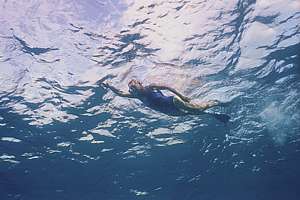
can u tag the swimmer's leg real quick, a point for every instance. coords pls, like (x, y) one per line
(196, 109)
(192, 107)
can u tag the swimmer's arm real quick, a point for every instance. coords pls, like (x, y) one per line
(161, 87)
(109, 76)
(117, 91)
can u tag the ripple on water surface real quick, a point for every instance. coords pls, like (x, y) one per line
(56, 122)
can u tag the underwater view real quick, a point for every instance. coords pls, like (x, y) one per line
(69, 131)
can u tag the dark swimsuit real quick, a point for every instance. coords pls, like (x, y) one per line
(156, 100)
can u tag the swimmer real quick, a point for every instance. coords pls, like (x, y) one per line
(177, 105)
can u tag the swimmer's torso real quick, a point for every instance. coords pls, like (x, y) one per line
(156, 100)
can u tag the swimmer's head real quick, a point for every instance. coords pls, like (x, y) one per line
(135, 87)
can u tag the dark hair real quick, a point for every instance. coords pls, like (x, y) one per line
(134, 80)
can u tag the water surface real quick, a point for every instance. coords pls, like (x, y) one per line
(62, 136)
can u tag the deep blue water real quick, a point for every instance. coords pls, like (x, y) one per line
(62, 136)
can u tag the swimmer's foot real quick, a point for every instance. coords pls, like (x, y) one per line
(224, 104)
(221, 117)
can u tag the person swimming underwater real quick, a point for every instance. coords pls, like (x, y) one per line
(177, 105)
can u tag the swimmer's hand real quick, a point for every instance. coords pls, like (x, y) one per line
(107, 84)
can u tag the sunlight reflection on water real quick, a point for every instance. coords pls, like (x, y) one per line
(52, 109)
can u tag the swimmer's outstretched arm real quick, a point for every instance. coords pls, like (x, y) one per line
(117, 91)
(161, 87)
(108, 76)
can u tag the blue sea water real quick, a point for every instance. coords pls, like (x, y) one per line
(62, 136)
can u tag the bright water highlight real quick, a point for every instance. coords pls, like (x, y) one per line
(62, 136)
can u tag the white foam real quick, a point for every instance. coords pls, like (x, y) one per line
(10, 139)
(87, 138)
(276, 121)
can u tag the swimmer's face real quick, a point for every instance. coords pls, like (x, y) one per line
(135, 86)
